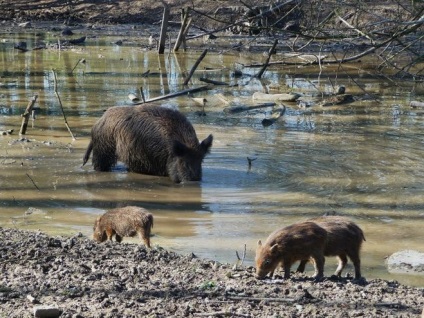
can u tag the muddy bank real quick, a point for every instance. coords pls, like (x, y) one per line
(77, 277)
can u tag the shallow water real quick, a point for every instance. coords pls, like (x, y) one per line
(362, 160)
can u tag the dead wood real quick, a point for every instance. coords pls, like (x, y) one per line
(185, 25)
(26, 114)
(206, 80)
(61, 106)
(415, 104)
(274, 117)
(193, 69)
(270, 52)
(164, 27)
(184, 91)
(239, 109)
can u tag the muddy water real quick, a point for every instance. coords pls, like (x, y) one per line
(362, 160)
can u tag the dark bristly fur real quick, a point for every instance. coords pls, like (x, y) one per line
(124, 222)
(287, 245)
(344, 239)
(148, 139)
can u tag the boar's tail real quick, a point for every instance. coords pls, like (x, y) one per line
(88, 152)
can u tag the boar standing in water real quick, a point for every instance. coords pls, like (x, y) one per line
(148, 139)
(127, 221)
(344, 239)
(285, 246)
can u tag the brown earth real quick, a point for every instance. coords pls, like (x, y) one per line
(79, 278)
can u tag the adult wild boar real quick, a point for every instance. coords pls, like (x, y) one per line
(344, 239)
(124, 222)
(287, 245)
(148, 139)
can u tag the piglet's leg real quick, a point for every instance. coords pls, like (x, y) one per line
(144, 237)
(342, 263)
(301, 267)
(118, 238)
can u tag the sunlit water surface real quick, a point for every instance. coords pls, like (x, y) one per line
(363, 160)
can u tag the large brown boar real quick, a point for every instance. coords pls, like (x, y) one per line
(287, 245)
(344, 239)
(127, 221)
(148, 139)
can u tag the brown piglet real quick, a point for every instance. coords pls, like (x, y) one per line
(127, 221)
(287, 245)
(344, 239)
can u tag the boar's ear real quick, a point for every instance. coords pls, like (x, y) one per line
(259, 243)
(273, 249)
(179, 149)
(206, 144)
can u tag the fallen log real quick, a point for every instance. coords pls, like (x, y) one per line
(286, 97)
(184, 91)
(206, 80)
(274, 117)
(415, 104)
(190, 74)
(239, 109)
(6, 132)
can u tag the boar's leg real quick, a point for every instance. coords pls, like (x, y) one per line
(104, 157)
(287, 265)
(357, 264)
(342, 263)
(118, 238)
(301, 267)
(144, 236)
(319, 261)
(109, 234)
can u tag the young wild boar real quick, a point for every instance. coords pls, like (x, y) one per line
(148, 139)
(344, 239)
(127, 221)
(290, 244)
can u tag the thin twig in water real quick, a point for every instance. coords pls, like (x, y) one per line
(61, 106)
(33, 182)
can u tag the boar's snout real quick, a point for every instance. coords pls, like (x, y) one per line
(187, 162)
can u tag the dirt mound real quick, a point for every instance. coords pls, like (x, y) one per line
(77, 277)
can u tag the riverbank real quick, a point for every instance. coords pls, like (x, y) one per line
(78, 277)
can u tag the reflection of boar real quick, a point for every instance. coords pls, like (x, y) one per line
(287, 245)
(127, 221)
(148, 139)
(344, 238)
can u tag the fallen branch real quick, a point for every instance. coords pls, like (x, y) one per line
(270, 52)
(33, 182)
(61, 106)
(187, 79)
(266, 299)
(274, 117)
(286, 97)
(164, 27)
(206, 80)
(26, 115)
(184, 91)
(239, 109)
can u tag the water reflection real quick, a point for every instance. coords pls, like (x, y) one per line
(363, 159)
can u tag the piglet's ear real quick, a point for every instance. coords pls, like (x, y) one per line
(259, 243)
(206, 144)
(179, 149)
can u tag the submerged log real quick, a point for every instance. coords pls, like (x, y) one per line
(286, 97)
(243, 108)
(274, 117)
(207, 80)
(184, 91)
